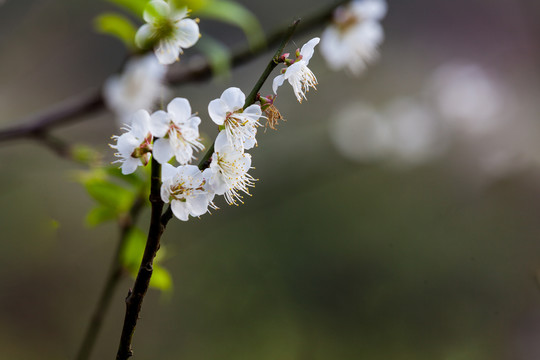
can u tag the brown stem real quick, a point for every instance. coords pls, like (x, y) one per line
(115, 274)
(73, 109)
(136, 295)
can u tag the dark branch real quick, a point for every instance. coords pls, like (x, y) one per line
(115, 274)
(73, 109)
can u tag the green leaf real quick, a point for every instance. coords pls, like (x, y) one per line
(161, 279)
(99, 215)
(193, 5)
(132, 179)
(237, 15)
(118, 26)
(109, 194)
(218, 55)
(134, 6)
(132, 251)
(131, 256)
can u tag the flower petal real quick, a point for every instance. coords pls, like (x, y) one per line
(187, 33)
(167, 172)
(221, 141)
(180, 210)
(218, 111)
(130, 165)
(144, 34)
(140, 124)
(159, 123)
(155, 10)
(163, 152)
(167, 52)
(180, 110)
(198, 204)
(278, 81)
(234, 98)
(308, 49)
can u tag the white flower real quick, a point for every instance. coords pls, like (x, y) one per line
(169, 29)
(227, 174)
(298, 74)
(178, 131)
(351, 41)
(240, 125)
(138, 87)
(135, 145)
(184, 188)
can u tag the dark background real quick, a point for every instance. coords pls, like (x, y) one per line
(330, 258)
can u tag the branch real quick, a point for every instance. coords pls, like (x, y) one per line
(73, 109)
(136, 296)
(159, 222)
(115, 274)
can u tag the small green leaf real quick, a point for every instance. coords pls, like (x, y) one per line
(131, 256)
(237, 15)
(99, 215)
(218, 55)
(133, 178)
(161, 279)
(118, 26)
(193, 5)
(136, 7)
(132, 251)
(109, 194)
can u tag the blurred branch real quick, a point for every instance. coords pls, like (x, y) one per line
(159, 221)
(74, 109)
(114, 277)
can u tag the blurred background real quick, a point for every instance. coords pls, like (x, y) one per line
(396, 214)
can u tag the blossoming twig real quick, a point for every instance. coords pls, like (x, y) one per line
(73, 109)
(159, 222)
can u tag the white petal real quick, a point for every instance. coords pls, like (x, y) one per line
(180, 110)
(167, 52)
(126, 143)
(193, 171)
(253, 112)
(164, 191)
(198, 204)
(140, 124)
(221, 141)
(167, 172)
(159, 123)
(278, 81)
(187, 33)
(180, 210)
(156, 9)
(194, 122)
(369, 9)
(234, 98)
(130, 165)
(218, 111)
(183, 153)
(163, 152)
(308, 49)
(144, 34)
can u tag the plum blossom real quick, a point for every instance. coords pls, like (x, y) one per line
(227, 174)
(135, 145)
(138, 87)
(240, 124)
(351, 41)
(178, 132)
(185, 188)
(298, 74)
(167, 28)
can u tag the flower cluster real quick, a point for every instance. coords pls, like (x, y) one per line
(351, 41)
(174, 134)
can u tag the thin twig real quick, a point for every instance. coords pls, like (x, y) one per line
(115, 274)
(74, 109)
(159, 222)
